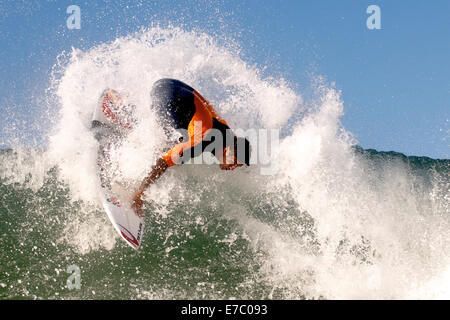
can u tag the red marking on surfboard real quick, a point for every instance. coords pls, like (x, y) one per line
(114, 201)
(107, 100)
(129, 236)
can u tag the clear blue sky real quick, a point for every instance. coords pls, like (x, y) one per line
(394, 81)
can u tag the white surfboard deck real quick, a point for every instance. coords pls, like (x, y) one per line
(116, 199)
(129, 225)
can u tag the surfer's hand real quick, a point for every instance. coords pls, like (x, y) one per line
(229, 160)
(137, 204)
(231, 166)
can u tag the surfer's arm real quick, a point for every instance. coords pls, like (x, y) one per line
(157, 170)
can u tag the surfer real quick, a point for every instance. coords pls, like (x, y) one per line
(180, 107)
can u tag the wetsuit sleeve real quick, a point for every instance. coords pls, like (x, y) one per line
(200, 123)
(204, 119)
(172, 156)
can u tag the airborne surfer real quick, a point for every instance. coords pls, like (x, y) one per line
(180, 108)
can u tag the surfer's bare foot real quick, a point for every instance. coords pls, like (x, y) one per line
(137, 204)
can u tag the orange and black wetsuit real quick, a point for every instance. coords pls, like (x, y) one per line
(181, 107)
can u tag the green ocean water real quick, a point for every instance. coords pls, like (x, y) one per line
(195, 251)
(186, 255)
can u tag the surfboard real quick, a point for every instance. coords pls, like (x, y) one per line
(129, 225)
(116, 200)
